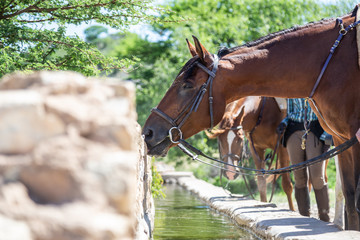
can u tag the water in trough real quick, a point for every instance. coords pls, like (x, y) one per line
(181, 215)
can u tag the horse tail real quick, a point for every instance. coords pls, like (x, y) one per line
(214, 133)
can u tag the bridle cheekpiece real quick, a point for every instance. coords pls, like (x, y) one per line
(194, 103)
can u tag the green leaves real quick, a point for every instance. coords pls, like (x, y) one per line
(232, 22)
(157, 181)
(32, 49)
(117, 13)
(26, 45)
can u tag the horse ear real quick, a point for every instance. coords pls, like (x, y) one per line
(191, 48)
(201, 51)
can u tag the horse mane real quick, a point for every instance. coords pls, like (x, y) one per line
(223, 51)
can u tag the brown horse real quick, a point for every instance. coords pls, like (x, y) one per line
(259, 117)
(284, 64)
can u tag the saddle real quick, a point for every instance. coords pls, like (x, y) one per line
(281, 103)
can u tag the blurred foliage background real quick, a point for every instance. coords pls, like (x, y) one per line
(151, 64)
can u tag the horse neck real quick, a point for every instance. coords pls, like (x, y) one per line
(284, 66)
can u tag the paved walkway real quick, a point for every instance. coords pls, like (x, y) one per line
(264, 219)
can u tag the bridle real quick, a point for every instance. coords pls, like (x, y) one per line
(193, 104)
(232, 156)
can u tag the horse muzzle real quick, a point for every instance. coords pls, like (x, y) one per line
(157, 141)
(231, 172)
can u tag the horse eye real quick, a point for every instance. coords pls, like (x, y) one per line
(187, 85)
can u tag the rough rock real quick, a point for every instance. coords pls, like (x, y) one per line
(13, 229)
(24, 121)
(72, 161)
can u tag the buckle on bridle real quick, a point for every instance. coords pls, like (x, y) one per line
(171, 134)
(342, 28)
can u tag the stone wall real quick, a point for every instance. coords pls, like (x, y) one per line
(72, 161)
(263, 219)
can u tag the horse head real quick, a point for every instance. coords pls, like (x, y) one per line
(231, 150)
(187, 107)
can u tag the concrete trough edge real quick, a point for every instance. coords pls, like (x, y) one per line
(264, 219)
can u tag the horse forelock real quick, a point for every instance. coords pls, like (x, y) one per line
(187, 69)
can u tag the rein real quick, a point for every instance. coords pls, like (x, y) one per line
(240, 160)
(189, 150)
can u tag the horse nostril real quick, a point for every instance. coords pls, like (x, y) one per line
(148, 134)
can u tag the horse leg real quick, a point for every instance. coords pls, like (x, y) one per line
(350, 168)
(339, 198)
(355, 152)
(260, 164)
(286, 184)
(347, 168)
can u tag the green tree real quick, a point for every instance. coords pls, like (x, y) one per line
(92, 33)
(127, 45)
(25, 43)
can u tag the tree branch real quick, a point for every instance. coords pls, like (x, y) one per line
(63, 62)
(48, 10)
(52, 50)
(36, 21)
(95, 18)
(73, 7)
(21, 11)
(48, 41)
(3, 9)
(35, 9)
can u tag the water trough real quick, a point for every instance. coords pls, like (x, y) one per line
(266, 220)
